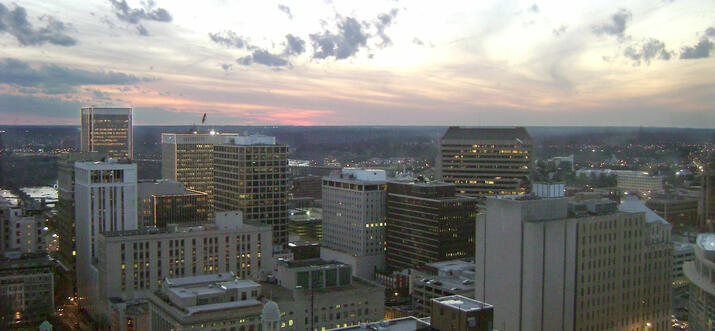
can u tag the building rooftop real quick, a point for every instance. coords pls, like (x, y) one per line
(514, 133)
(634, 205)
(146, 188)
(409, 323)
(156, 231)
(312, 263)
(201, 279)
(462, 303)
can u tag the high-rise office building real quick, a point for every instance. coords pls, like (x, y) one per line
(251, 175)
(105, 200)
(354, 219)
(701, 274)
(427, 222)
(707, 219)
(65, 217)
(486, 161)
(163, 202)
(544, 270)
(108, 131)
(188, 158)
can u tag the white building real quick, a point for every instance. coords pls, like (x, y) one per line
(354, 219)
(640, 182)
(131, 264)
(105, 200)
(211, 302)
(701, 273)
(21, 232)
(545, 270)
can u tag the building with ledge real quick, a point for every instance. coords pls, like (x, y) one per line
(701, 274)
(163, 202)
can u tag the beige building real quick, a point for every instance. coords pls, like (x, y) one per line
(210, 302)
(486, 161)
(108, 131)
(338, 299)
(251, 175)
(438, 279)
(20, 231)
(638, 182)
(545, 270)
(133, 263)
(701, 274)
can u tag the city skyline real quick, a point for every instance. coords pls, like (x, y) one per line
(340, 63)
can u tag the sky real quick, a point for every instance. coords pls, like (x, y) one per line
(475, 63)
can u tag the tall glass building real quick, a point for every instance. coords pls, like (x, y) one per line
(108, 131)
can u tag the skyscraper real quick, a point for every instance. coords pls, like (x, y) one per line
(105, 200)
(251, 175)
(607, 269)
(108, 131)
(427, 222)
(354, 219)
(486, 161)
(188, 158)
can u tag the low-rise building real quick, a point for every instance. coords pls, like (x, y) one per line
(26, 290)
(209, 302)
(639, 182)
(680, 211)
(20, 231)
(438, 279)
(306, 224)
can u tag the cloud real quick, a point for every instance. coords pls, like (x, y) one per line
(560, 30)
(286, 10)
(383, 22)
(47, 107)
(294, 45)
(136, 15)
(417, 41)
(16, 24)
(533, 9)
(229, 38)
(263, 57)
(53, 79)
(651, 49)
(341, 45)
(226, 67)
(617, 26)
(710, 32)
(142, 30)
(699, 51)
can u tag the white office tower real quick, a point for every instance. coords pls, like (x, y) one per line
(551, 264)
(701, 274)
(354, 219)
(105, 200)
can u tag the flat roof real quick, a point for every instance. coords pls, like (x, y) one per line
(511, 133)
(201, 279)
(462, 303)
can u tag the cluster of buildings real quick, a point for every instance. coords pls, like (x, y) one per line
(227, 240)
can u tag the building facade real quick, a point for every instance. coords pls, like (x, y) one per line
(427, 222)
(486, 161)
(163, 202)
(20, 231)
(639, 182)
(108, 131)
(545, 270)
(105, 201)
(251, 175)
(26, 291)
(707, 219)
(679, 211)
(438, 279)
(354, 219)
(701, 274)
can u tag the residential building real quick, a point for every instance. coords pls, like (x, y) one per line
(21, 231)
(251, 175)
(163, 202)
(354, 219)
(108, 131)
(680, 211)
(427, 222)
(609, 268)
(26, 290)
(65, 217)
(318, 294)
(438, 279)
(105, 201)
(209, 302)
(134, 263)
(639, 182)
(486, 161)
(189, 158)
(701, 274)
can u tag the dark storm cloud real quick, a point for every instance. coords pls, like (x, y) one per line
(649, 50)
(342, 44)
(16, 24)
(263, 57)
(617, 26)
(294, 45)
(135, 15)
(50, 107)
(699, 51)
(229, 38)
(52, 79)
(383, 22)
(286, 10)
